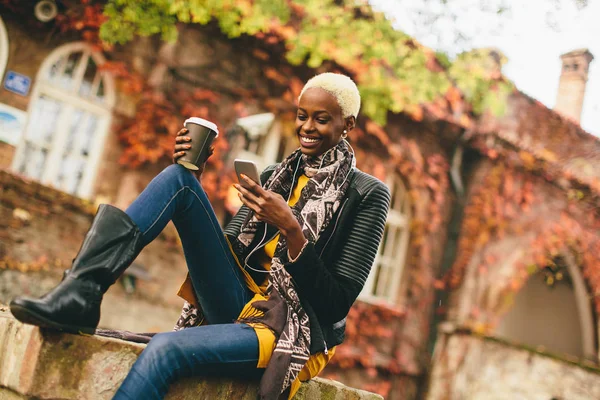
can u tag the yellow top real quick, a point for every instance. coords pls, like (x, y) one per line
(266, 339)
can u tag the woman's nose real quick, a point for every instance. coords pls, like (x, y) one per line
(308, 125)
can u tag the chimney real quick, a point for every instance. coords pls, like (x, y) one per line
(571, 87)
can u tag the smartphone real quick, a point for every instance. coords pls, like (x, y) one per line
(247, 168)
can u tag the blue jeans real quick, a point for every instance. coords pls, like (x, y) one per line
(222, 348)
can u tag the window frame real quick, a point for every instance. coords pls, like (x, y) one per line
(399, 217)
(71, 100)
(4, 43)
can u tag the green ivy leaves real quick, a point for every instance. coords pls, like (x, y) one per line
(392, 71)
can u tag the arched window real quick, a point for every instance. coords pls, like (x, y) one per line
(553, 310)
(3, 49)
(386, 274)
(68, 118)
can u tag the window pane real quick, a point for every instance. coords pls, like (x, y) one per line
(75, 126)
(384, 239)
(375, 290)
(383, 280)
(55, 69)
(100, 92)
(33, 161)
(391, 246)
(43, 122)
(69, 174)
(74, 158)
(36, 167)
(88, 135)
(69, 160)
(65, 80)
(88, 78)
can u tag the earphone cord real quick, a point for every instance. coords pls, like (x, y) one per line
(262, 271)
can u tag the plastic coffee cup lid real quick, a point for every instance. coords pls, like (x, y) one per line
(201, 121)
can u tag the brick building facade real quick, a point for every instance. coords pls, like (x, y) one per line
(438, 173)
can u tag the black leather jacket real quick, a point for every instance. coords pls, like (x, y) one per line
(330, 273)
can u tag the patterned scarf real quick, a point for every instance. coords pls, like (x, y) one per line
(283, 312)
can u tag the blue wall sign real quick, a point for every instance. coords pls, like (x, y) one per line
(17, 83)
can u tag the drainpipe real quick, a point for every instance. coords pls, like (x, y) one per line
(453, 233)
(441, 296)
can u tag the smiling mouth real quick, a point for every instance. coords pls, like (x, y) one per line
(308, 140)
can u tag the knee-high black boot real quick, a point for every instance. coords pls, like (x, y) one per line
(110, 246)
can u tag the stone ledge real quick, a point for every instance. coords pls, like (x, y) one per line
(467, 366)
(44, 364)
(450, 329)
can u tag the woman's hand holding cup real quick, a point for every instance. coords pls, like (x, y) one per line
(183, 144)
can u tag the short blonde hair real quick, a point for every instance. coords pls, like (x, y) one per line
(339, 86)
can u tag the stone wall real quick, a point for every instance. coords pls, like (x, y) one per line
(44, 364)
(471, 367)
(41, 230)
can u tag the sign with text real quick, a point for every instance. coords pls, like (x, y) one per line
(17, 83)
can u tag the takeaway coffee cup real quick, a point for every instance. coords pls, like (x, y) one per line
(202, 133)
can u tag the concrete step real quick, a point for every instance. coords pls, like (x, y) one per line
(44, 364)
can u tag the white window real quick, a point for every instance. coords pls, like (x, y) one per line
(68, 118)
(386, 274)
(3, 49)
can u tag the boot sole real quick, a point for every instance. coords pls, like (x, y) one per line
(27, 316)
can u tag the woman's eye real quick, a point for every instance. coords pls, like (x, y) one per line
(301, 117)
(322, 121)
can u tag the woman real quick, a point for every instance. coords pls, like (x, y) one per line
(275, 287)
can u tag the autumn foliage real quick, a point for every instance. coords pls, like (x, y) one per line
(395, 75)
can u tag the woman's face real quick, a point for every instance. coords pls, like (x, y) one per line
(319, 122)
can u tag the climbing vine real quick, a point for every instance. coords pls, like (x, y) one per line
(394, 73)
(507, 202)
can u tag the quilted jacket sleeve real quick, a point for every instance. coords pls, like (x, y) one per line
(332, 289)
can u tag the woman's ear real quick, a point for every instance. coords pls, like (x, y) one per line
(350, 123)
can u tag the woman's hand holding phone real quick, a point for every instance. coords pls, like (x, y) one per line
(272, 208)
